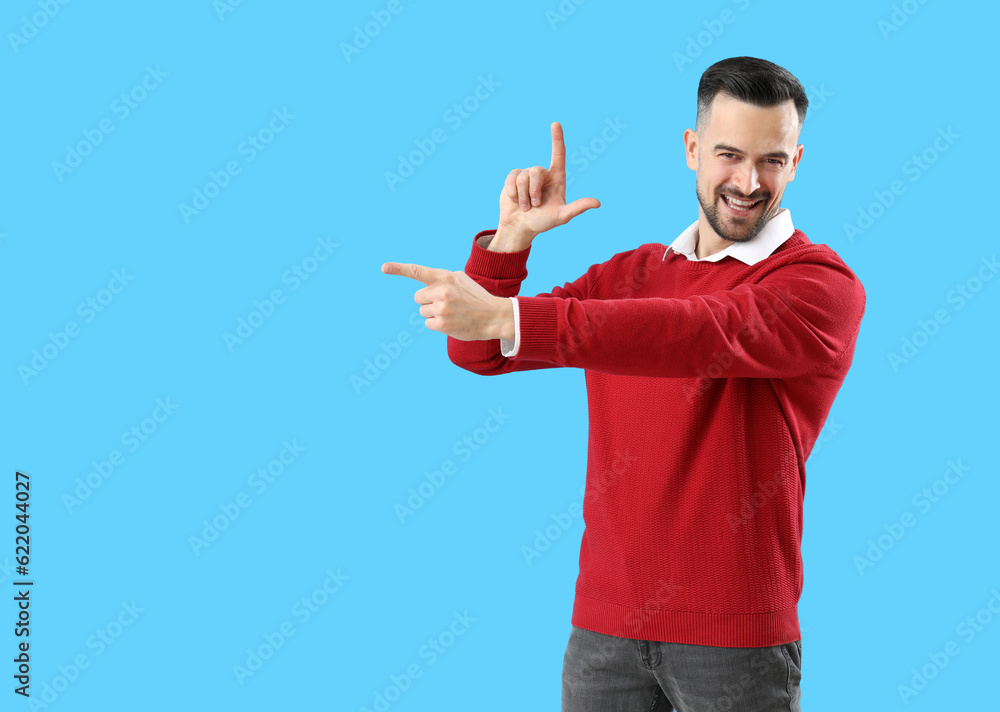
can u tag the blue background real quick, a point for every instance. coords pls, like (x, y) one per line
(879, 97)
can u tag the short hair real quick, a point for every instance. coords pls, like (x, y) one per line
(750, 80)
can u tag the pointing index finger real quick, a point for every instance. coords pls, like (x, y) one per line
(427, 275)
(558, 162)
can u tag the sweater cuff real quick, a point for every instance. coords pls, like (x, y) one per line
(537, 332)
(496, 265)
(509, 348)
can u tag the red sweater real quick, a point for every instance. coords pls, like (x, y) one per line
(707, 386)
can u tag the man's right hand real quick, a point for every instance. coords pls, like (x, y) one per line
(533, 200)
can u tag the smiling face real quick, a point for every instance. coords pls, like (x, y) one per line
(742, 153)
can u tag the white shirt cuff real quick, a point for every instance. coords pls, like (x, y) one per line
(509, 348)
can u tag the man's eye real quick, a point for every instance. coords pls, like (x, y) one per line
(775, 161)
(726, 155)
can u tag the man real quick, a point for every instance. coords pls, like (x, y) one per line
(711, 366)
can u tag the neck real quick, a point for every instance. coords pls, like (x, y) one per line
(707, 242)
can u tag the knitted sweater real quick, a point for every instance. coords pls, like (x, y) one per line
(707, 386)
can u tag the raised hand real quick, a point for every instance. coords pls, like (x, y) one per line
(533, 200)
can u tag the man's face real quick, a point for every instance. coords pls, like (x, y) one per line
(747, 153)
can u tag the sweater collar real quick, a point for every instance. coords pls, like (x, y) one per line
(775, 232)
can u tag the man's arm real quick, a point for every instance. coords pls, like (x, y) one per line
(497, 243)
(464, 305)
(501, 274)
(802, 316)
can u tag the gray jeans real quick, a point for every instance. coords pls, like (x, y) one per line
(604, 673)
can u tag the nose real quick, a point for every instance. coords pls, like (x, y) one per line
(747, 179)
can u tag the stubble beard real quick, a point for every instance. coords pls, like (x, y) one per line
(713, 213)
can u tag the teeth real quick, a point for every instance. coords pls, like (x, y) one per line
(740, 203)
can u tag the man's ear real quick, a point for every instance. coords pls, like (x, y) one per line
(691, 148)
(796, 157)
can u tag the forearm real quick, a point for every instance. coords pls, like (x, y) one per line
(774, 330)
(506, 242)
(498, 266)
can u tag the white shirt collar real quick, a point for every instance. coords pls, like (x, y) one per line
(775, 232)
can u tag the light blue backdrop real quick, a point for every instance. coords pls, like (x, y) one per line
(195, 209)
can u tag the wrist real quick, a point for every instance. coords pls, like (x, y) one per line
(504, 323)
(509, 241)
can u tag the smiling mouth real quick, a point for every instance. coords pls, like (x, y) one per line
(741, 207)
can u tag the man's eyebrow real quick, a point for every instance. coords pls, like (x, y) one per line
(733, 149)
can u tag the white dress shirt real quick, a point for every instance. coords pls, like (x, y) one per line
(775, 232)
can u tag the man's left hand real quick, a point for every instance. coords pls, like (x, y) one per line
(456, 305)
